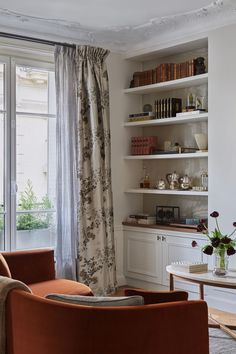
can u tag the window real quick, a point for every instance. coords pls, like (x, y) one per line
(27, 154)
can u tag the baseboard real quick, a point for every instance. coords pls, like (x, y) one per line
(121, 280)
(144, 285)
(222, 304)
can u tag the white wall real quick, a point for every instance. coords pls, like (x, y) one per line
(222, 142)
(222, 125)
(120, 72)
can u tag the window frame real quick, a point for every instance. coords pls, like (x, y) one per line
(7, 151)
(12, 56)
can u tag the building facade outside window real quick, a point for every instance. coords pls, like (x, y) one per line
(27, 153)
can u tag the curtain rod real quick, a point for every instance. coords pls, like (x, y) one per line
(33, 39)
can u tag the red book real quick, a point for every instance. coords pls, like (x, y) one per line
(136, 146)
(145, 145)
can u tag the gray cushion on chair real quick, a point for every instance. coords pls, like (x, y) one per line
(98, 300)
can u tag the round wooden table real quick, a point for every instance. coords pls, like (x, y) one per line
(206, 278)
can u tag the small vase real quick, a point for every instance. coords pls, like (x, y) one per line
(221, 264)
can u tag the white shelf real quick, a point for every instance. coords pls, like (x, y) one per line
(169, 85)
(194, 155)
(202, 117)
(166, 191)
(165, 50)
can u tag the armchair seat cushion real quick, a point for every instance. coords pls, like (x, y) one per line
(60, 286)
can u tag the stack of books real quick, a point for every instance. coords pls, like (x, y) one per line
(143, 219)
(191, 267)
(136, 117)
(143, 145)
(190, 112)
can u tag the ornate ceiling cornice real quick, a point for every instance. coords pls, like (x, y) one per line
(218, 13)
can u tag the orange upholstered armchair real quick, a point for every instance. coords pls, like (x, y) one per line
(166, 324)
(36, 325)
(36, 268)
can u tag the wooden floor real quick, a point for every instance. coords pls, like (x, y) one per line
(120, 291)
(225, 318)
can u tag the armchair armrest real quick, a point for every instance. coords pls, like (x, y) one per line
(156, 297)
(31, 266)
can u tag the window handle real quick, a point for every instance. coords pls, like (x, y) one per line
(14, 188)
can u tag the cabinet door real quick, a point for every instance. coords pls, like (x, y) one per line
(180, 249)
(143, 256)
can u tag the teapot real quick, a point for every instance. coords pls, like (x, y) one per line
(185, 182)
(173, 180)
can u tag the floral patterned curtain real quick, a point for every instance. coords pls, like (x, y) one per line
(95, 223)
(88, 213)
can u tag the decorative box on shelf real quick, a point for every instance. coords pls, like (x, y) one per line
(191, 267)
(167, 214)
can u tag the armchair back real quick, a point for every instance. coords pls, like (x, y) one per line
(31, 266)
(38, 325)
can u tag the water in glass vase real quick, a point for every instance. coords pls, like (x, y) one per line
(221, 264)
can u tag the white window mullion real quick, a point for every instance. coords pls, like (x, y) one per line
(32, 114)
(13, 155)
(7, 152)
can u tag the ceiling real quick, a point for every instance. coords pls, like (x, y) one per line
(116, 24)
(103, 13)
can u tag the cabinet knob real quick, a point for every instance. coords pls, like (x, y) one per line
(158, 238)
(194, 243)
(163, 238)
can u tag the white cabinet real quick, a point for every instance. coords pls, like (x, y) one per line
(143, 256)
(147, 252)
(179, 248)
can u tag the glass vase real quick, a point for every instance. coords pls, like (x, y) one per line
(221, 264)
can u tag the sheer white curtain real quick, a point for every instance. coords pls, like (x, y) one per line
(66, 136)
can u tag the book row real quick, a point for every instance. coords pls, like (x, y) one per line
(164, 72)
(167, 107)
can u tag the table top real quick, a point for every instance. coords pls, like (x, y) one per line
(207, 278)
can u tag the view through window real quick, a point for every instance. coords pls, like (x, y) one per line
(33, 161)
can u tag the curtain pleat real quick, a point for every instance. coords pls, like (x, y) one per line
(66, 137)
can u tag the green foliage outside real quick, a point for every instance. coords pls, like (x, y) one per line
(29, 201)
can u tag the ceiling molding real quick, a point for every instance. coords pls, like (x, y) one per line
(120, 39)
